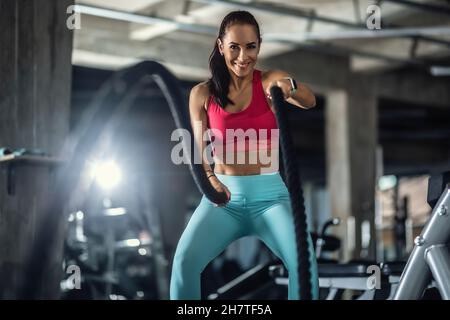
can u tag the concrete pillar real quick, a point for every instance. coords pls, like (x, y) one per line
(35, 86)
(351, 135)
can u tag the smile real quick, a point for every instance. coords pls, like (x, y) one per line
(242, 65)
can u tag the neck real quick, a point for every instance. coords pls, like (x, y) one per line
(237, 83)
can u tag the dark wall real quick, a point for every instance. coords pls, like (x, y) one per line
(35, 88)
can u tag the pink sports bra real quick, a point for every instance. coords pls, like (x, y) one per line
(253, 128)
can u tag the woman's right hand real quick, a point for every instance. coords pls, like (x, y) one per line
(220, 187)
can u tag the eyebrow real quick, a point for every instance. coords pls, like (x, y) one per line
(231, 42)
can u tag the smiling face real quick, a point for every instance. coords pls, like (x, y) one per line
(240, 47)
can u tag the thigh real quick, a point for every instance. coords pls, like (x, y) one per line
(209, 231)
(275, 227)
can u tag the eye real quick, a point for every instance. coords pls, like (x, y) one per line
(233, 47)
(251, 46)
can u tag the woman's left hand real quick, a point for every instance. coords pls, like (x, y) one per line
(285, 86)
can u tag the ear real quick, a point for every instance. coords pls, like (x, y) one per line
(220, 45)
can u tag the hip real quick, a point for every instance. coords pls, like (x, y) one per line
(254, 188)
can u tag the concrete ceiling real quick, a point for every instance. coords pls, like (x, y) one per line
(179, 39)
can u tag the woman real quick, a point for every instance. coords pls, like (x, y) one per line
(236, 99)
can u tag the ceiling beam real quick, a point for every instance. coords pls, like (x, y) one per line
(311, 15)
(137, 18)
(434, 8)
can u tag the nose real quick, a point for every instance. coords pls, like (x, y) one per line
(242, 55)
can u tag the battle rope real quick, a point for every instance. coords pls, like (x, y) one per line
(114, 98)
(292, 176)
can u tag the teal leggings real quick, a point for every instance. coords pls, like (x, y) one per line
(259, 206)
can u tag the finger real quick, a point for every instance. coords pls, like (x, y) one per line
(219, 205)
(271, 84)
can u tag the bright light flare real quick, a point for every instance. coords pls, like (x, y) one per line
(107, 174)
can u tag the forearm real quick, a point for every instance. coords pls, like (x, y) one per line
(303, 97)
(206, 161)
(207, 167)
(199, 128)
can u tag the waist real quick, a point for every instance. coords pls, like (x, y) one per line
(267, 186)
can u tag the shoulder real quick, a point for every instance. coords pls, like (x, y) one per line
(200, 90)
(199, 94)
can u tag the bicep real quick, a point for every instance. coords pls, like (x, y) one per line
(197, 113)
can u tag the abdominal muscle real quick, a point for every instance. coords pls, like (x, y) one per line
(246, 163)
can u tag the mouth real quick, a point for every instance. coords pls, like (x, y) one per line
(242, 65)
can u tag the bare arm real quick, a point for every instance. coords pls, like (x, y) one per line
(197, 99)
(303, 97)
(197, 112)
